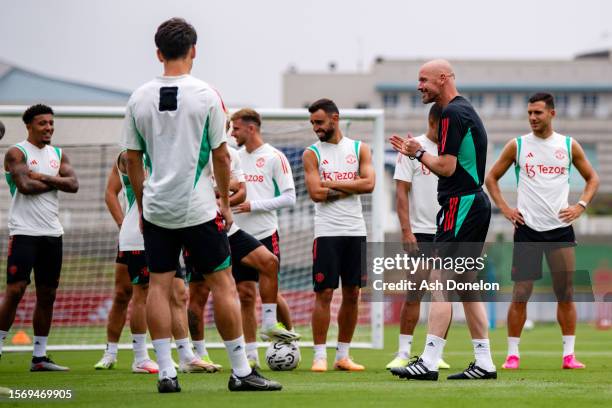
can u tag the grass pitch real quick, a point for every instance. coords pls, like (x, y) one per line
(540, 383)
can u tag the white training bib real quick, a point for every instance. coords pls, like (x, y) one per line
(130, 237)
(36, 214)
(542, 169)
(343, 217)
(423, 195)
(236, 173)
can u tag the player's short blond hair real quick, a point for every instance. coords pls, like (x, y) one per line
(247, 115)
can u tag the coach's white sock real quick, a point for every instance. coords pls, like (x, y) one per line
(200, 347)
(342, 350)
(3, 335)
(164, 358)
(320, 352)
(568, 345)
(513, 346)
(482, 353)
(139, 345)
(40, 346)
(405, 345)
(434, 346)
(251, 351)
(184, 350)
(237, 355)
(112, 348)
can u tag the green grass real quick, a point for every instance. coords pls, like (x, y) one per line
(540, 382)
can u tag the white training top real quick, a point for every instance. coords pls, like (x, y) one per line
(343, 217)
(130, 237)
(268, 174)
(236, 172)
(423, 195)
(177, 121)
(542, 168)
(36, 214)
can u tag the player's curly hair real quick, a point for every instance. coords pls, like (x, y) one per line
(35, 110)
(175, 37)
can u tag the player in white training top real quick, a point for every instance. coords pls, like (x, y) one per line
(417, 207)
(542, 220)
(131, 274)
(270, 187)
(35, 172)
(179, 122)
(247, 251)
(337, 171)
(131, 271)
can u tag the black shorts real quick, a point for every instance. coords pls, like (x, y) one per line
(44, 254)
(530, 245)
(463, 223)
(241, 244)
(136, 263)
(206, 244)
(243, 273)
(427, 241)
(335, 258)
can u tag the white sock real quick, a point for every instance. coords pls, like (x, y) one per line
(268, 313)
(568, 345)
(482, 353)
(320, 351)
(40, 346)
(164, 358)
(513, 346)
(251, 351)
(342, 350)
(405, 344)
(237, 355)
(3, 335)
(139, 345)
(184, 350)
(200, 347)
(112, 349)
(434, 346)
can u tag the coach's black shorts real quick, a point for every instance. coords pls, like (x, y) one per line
(241, 244)
(206, 244)
(530, 245)
(44, 254)
(244, 273)
(463, 223)
(335, 258)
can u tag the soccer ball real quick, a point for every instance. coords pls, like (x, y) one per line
(282, 356)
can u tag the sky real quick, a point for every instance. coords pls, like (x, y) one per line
(245, 46)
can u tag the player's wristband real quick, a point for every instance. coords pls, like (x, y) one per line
(583, 204)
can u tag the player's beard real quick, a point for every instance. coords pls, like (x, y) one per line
(328, 134)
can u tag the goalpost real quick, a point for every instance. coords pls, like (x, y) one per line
(90, 136)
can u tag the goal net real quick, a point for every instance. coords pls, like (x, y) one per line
(90, 137)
